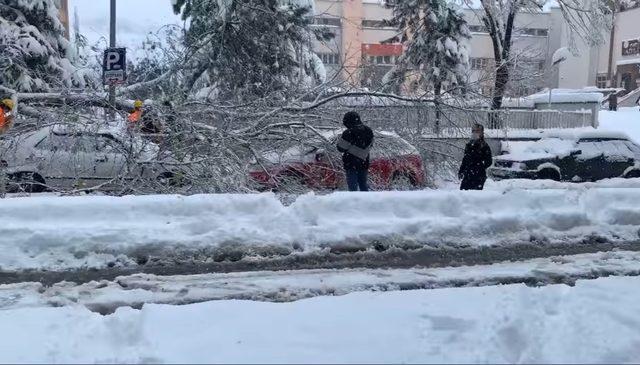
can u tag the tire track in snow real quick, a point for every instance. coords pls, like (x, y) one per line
(185, 263)
(281, 286)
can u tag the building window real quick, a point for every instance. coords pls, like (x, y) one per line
(329, 58)
(601, 81)
(326, 21)
(366, 23)
(480, 63)
(535, 32)
(381, 60)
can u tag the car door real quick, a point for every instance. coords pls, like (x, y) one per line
(110, 159)
(63, 160)
(590, 164)
(618, 158)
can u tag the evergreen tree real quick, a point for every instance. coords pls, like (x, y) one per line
(435, 37)
(36, 56)
(247, 48)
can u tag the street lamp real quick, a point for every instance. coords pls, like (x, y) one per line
(559, 56)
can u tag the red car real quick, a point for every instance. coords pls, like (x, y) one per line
(315, 163)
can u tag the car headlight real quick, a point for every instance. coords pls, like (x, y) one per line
(519, 166)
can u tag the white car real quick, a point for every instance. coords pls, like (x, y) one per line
(60, 158)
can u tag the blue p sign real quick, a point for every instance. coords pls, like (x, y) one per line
(114, 66)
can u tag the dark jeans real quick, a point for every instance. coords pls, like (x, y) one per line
(357, 178)
(613, 108)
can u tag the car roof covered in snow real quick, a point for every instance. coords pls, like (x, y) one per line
(577, 135)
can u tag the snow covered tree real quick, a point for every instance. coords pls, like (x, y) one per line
(249, 48)
(435, 37)
(586, 18)
(36, 56)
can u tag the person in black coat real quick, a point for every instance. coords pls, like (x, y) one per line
(355, 144)
(613, 101)
(477, 159)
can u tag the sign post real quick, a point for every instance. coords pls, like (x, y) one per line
(114, 66)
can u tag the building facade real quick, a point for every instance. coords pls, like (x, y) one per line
(365, 48)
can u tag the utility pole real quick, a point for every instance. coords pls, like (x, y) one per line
(112, 44)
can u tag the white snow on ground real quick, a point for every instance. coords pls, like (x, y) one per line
(106, 296)
(594, 322)
(625, 120)
(66, 232)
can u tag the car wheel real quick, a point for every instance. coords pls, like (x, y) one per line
(401, 182)
(549, 174)
(633, 174)
(28, 182)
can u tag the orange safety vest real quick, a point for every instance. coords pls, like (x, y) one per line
(4, 118)
(135, 116)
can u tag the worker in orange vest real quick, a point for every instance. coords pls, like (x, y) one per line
(6, 115)
(135, 115)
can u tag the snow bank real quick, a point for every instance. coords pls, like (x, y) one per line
(625, 120)
(94, 231)
(593, 322)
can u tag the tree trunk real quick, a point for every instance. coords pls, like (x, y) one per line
(437, 89)
(502, 78)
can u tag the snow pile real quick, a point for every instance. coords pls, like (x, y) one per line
(626, 120)
(593, 322)
(67, 232)
(567, 96)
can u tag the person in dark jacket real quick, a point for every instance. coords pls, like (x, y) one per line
(355, 144)
(613, 101)
(477, 159)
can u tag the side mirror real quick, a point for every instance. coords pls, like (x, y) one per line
(576, 152)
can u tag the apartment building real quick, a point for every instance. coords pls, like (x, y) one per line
(619, 60)
(365, 48)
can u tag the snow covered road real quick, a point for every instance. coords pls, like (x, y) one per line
(594, 322)
(106, 296)
(62, 233)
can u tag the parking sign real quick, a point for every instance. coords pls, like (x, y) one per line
(114, 66)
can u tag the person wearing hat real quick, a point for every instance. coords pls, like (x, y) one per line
(6, 115)
(477, 159)
(135, 115)
(355, 144)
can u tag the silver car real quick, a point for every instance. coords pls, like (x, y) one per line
(62, 158)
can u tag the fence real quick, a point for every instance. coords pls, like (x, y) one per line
(432, 120)
(441, 143)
